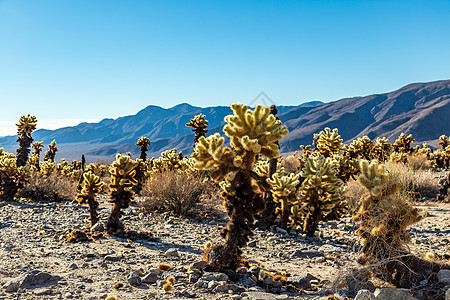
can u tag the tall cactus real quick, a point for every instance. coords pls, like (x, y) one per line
(321, 193)
(26, 125)
(382, 149)
(122, 181)
(403, 143)
(91, 187)
(283, 189)
(443, 141)
(199, 124)
(383, 219)
(328, 142)
(50, 154)
(143, 142)
(251, 133)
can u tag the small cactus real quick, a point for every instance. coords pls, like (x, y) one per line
(283, 189)
(50, 154)
(199, 124)
(91, 187)
(26, 125)
(143, 142)
(328, 142)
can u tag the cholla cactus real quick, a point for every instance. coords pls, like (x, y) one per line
(37, 146)
(251, 133)
(122, 181)
(50, 154)
(306, 152)
(403, 143)
(359, 148)
(143, 142)
(199, 124)
(91, 187)
(283, 189)
(443, 141)
(11, 177)
(26, 125)
(382, 149)
(321, 193)
(170, 160)
(384, 218)
(328, 142)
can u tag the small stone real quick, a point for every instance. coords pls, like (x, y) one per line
(28, 280)
(212, 284)
(150, 278)
(98, 227)
(390, 293)
(226, 288)
(68, 295)
(281, 230)
(73, 266)
(157, 271)
(364, 295)
(172, 252)
(268, 281)
(134, 280)
(114, 257)
(139, 272)
(42, 291)
(301, 281)
(444, 276)
(282, 297)
(208, 276)
(258, 295)
(199, 265)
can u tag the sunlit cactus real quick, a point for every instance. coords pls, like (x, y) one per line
(443, 141)
(321, 193)
(170, 160)
(11, 177)
(143, 142)
(328, 142)
(26, 125)
(91, 187)
(403, 143)
(384, 217)
(359, 148)
(382, 149)
(306, 152)
(348, 167)
(122, 181)
(199, 124)
(251, 133)
(50, 154)
(284, 190)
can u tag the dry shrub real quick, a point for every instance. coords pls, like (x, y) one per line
(419, 162)
(180, 193)
(418, 183)
(355, 193)
(53, 187)
(290, 163)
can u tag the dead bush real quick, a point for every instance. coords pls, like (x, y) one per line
(290, 163)
(180, 193)
(419, 162)
(355, 193)
(52, 187)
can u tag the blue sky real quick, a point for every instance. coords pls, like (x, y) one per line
(74, 60)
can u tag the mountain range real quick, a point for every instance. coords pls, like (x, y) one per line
(420, 109)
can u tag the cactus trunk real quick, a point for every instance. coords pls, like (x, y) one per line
(311, 222)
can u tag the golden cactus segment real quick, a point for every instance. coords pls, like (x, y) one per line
(143, 141)
(254, 131)
(122, 173)
(382, 149)
(328, 142)
(321, 193)
(403, 143)
(91, 187)
(359, 148)
(198, 121)
(27, 124)
(443, 141)
(284, 189)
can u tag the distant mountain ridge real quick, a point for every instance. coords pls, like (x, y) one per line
(420, 109)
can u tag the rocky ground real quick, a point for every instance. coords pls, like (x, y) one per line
(36, 262)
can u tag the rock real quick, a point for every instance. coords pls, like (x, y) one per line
(447, 294)
(42, 291)
(301, 281)
(268, 281)
(73, 266)
(281, 230)
(209, 276)
(329, 249)
(28, 280)
(354, 284)
(150, 278)
(258, 295)
(114, 257)
(225, 288)
(343, 294)
(139, 272)
(134, 280)
(199, 265)
(306, 254)
(157, 271)
(364, 295)
(98, 227)
(391, 293)
(444, 276)
(172, 252)
(247, 281)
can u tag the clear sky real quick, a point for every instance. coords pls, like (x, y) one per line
(73, 60)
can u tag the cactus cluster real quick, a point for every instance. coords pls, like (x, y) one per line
(251, 133)
(403, 144)
(91, 187)
(12, 177)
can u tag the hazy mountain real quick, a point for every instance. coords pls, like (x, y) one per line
(421, 109)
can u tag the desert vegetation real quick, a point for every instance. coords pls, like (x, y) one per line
(372, 184)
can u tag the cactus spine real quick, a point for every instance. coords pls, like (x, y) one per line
(91, 187)
(26, 125)
(251, 133)
(122, 181)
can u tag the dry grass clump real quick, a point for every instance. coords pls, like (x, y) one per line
(180, 193)
(418, 183)
(52, 187)
(354, 194)
(290, 163)
(419, 162)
